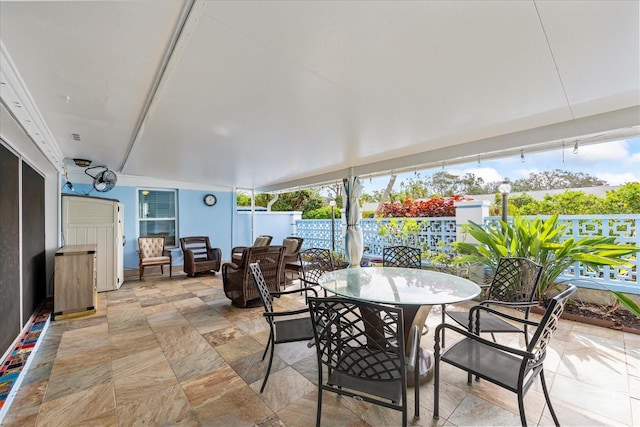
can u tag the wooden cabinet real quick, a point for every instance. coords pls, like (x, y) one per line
(75, 292)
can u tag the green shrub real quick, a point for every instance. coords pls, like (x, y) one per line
(541, 241)
(321, 213)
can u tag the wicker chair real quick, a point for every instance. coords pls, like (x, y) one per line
(237, 281)
(199, 256)
(262, 240)
(511, 368)
(152, 252)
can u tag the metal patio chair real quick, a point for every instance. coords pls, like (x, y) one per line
(284, 326)
(513, 285)
(315, 262)
(401, 256)
(511, 368)
(361, 353)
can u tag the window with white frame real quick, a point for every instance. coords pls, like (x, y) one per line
(157, 215)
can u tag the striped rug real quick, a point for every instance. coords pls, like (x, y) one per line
(17, 359)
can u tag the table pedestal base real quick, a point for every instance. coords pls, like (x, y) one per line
(417, 315)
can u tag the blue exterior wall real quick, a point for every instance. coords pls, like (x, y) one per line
(276, 224)
(194, 218)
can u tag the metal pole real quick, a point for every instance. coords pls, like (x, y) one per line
(505, 189)
(333, 228)
(505, 204)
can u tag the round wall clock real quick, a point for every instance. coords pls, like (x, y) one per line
(210, 200)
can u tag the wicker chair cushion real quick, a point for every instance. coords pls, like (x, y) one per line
(262, 241)
(290, 246)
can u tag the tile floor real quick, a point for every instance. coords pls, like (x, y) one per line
(175, 352)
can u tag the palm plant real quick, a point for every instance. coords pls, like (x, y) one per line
(543, 242)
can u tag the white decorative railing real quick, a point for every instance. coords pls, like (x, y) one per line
(432, 231)
(317, 233)
(624, 228)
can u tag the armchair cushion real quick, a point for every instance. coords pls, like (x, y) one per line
(151, 252)
(237, 251)
(291, 257)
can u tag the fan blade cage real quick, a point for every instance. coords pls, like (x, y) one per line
(105, 181)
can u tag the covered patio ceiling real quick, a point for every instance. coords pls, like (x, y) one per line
(271, 95)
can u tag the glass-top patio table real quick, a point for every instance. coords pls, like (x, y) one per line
(415, 290)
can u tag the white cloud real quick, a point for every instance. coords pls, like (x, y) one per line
(487, 174)
(615, 150)
(523, 173)
(618, 178)
(634, 160)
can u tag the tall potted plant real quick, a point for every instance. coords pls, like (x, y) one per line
(542, 241)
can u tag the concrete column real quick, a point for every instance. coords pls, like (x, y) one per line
(473, 210)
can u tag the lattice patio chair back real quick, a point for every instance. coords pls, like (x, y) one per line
(361, 353)
(401, 256)
(515, 280)
(514, 285)
(315, 262)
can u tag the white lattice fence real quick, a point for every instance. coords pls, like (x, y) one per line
(624, 228)
(317, 233)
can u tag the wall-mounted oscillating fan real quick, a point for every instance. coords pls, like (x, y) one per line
(104, 180)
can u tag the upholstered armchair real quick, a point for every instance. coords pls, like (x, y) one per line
(153, 253)
(262, 240)
(237, 281)
(199, 256)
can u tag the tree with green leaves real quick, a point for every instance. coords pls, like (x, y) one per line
(556, 179)
(444, 183)
(624, 200)
(304, 200)
(415, 187)
(471, 184)
(570, 202)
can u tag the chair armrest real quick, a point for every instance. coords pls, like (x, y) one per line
(309, 282)
(214, 254)
(479, 339)
(229, 265)
(478, 308)
(188, 255)
(238, 249)
(167, 252)
(291, 291)
(286, 313)
(518, 304)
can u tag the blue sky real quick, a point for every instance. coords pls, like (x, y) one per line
(616, 162)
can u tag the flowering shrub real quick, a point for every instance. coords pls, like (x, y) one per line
(434, 207)
(399, 231)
